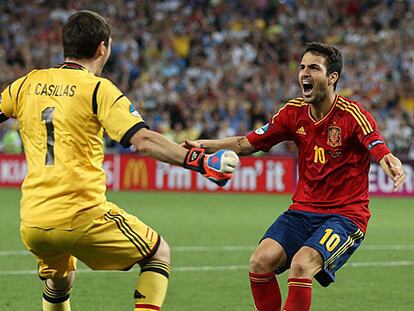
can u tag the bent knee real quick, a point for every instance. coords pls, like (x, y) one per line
(164, 252)
(262, 263)
(267, 257)
(306, 264)
(62, 283)
(300, 269)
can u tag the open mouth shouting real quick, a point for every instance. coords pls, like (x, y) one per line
(307, 88)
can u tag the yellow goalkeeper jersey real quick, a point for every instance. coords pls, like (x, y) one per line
(62, 113)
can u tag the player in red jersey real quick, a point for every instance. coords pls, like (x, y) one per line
(336, 138)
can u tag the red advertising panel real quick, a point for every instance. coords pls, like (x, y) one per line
(137, 173)
(12, 170)
(111, 168)
(381, 184)
(264, 174)
(255, 174)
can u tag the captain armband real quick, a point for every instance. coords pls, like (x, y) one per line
(375, 143)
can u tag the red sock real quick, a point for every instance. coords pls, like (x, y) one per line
(299, 295)
(266, 292)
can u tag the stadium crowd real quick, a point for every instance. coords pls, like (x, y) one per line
(215, 68)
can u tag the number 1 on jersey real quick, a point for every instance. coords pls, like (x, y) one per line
(47, 116)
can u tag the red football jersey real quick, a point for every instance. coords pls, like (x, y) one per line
(333, 154)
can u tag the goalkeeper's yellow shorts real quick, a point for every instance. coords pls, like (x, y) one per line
(114, 241)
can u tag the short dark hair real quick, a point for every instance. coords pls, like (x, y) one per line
(82, 34)
(332, 55)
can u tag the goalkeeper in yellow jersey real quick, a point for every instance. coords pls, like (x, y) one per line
(62, 113)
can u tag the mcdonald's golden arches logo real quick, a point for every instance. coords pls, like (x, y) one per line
(136, 174)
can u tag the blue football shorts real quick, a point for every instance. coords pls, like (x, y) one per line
(334, 236)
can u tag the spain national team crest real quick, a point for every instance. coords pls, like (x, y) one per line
(334, 136)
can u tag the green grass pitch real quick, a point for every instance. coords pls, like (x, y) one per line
(211, 236)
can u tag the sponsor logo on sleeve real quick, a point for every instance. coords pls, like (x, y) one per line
(374, 143)
(133, 111)
(262, 130)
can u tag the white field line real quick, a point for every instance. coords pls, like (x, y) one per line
(385, 264)
(235, 248)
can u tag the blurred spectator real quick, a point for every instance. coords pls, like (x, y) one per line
(213, 67)
(10, 142)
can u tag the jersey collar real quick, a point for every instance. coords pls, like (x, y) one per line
(71, 65)
(326, 116)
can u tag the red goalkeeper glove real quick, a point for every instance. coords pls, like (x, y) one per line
(217, 167)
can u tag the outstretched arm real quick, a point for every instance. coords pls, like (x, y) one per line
(392, 166)
(217, 167)
(239, 144)
(158, 146)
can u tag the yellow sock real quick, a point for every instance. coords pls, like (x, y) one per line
(63, 306)
(56, 300)
(152, 286)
